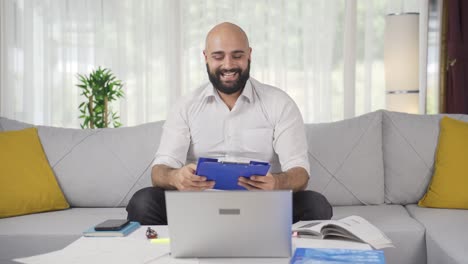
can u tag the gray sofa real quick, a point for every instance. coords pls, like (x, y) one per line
(376, 165)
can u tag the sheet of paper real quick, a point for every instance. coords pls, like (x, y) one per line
(51, 258)
(244, 260)
(102, 250)
(167, 259)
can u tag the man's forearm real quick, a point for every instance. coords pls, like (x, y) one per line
(161, 176)
(295, 179)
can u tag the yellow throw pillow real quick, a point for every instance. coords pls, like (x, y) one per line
(449, 184)
(27, 183)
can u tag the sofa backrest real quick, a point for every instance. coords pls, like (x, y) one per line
(378, 157)
(409, 145)
(105, 167)
(346, 160)
(98, 168)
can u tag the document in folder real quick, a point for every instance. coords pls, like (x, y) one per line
(226, 174)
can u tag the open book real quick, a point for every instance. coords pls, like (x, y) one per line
(353, 228)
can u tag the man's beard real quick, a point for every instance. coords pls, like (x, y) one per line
(234, 87)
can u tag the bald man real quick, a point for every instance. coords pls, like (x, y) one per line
(234, 118)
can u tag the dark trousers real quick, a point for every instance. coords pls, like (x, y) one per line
(148, 206)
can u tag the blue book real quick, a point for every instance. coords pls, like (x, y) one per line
(226, 174)
(337, 256)
(91, 232)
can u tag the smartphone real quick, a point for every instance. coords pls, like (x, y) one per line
(112, 225)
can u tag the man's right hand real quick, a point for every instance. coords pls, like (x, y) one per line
(184, 179)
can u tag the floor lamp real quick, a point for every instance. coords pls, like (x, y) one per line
(401, 62)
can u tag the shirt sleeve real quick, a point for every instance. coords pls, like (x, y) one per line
(290, 141)
(175, 139)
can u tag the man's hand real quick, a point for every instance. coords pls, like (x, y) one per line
(184, 179)
(267, 182)
(293, 179)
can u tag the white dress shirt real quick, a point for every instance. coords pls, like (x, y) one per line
(264, 125)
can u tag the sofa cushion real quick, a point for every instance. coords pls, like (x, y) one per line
(448, 185)
(346, 163)
(100, 167)
(406, 233)
(446, 233)
(409, 144)
(34, 234)
(27, 183)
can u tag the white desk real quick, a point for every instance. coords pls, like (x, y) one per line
(135, 248)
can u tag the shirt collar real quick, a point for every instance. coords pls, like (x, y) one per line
(246, 93)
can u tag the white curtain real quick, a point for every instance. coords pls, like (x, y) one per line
(326, 54)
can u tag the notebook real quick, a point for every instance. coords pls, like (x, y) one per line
(337, 256)
(230, 223)
(91, 232)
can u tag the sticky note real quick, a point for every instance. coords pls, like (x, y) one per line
(160, 240)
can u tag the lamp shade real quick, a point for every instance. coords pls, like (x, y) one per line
(401, 58)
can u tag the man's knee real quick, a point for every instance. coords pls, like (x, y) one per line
(145, 199)
(144, 195)
(312, 206)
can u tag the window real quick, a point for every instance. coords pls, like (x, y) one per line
(326, 54)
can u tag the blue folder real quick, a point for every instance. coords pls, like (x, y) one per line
(226, 174)
(337, 256)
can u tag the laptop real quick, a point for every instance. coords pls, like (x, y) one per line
(229, 223)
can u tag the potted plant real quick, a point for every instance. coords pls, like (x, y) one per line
(100, 88)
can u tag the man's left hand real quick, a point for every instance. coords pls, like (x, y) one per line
(256, 182)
